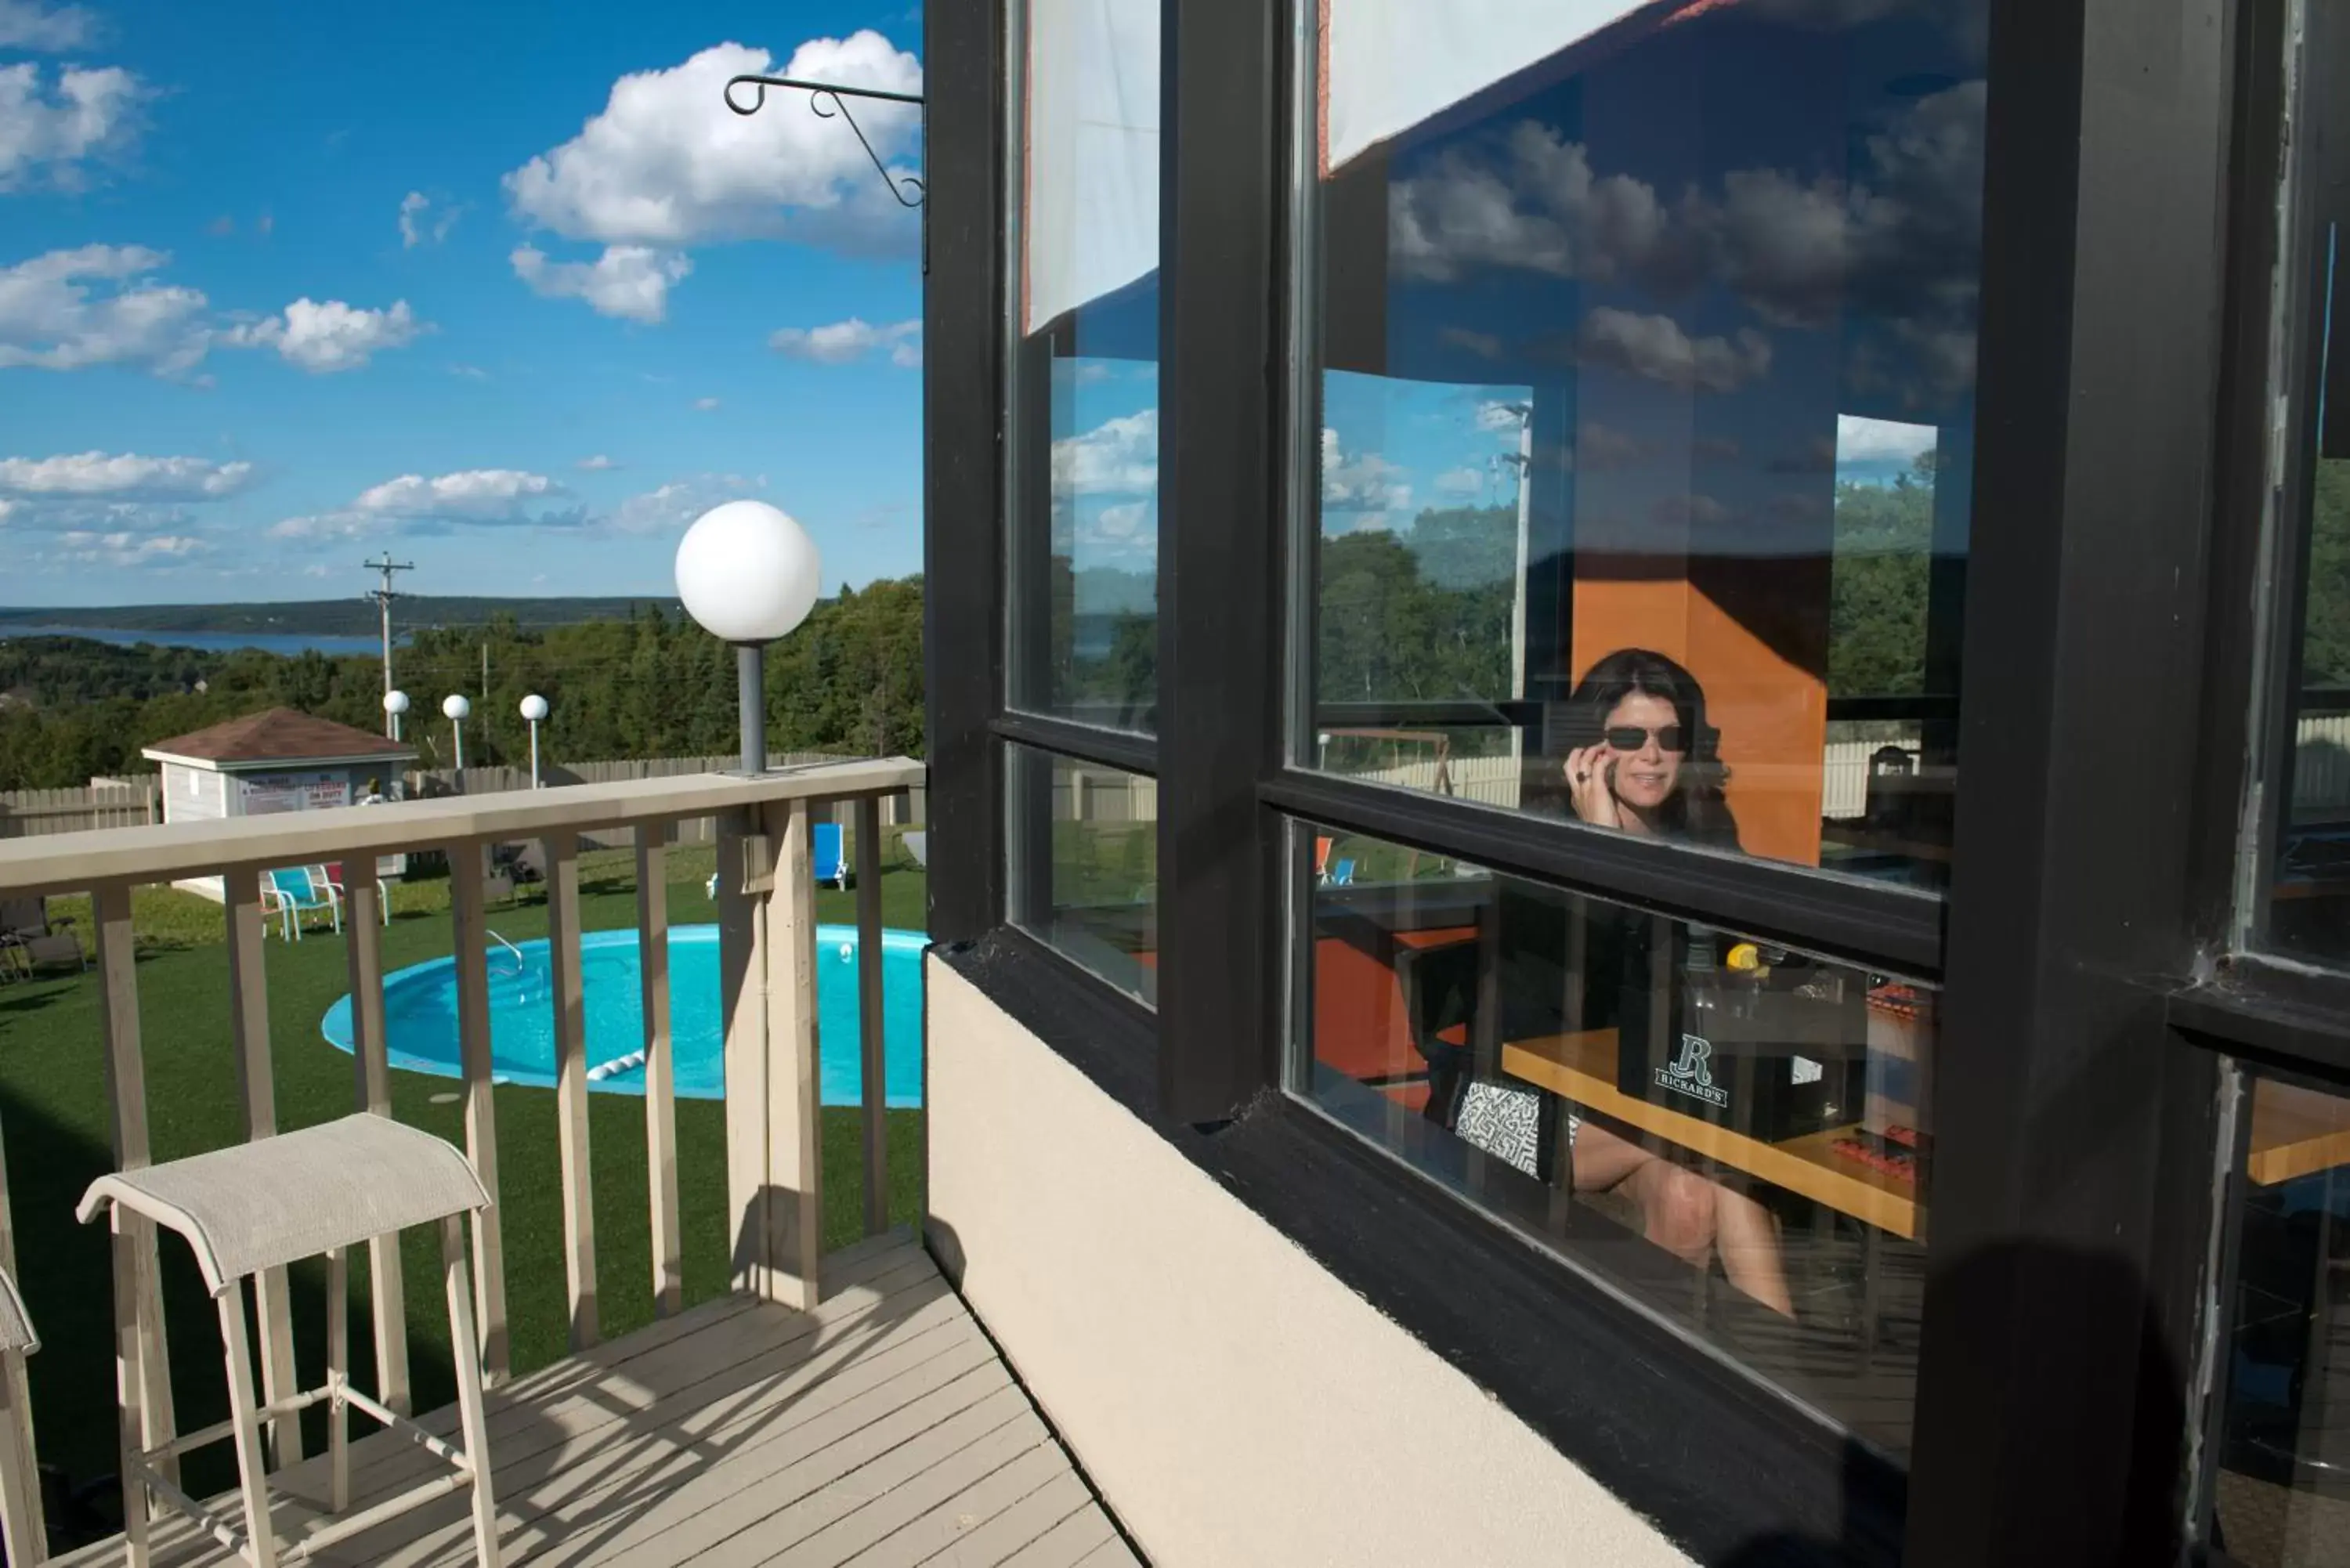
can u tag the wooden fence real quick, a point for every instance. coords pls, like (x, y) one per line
(25, 814)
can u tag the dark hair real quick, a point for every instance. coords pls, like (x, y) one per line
(1696, 809)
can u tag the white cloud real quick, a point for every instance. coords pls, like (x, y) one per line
(420, 224)
(632, 282)
(469, 372)
(94, 475)
(120, 548)
(1117, 457)
(705, 405)
(1861, 441)
(53, 29)
(670, 508)
(326, 335)
(667, 164)
(1121, 521)
(596, 464)
(7, 508)
(1460, 482)
(1365, 482)
(1656, 348)
(50, 134)
(841, 342)
(1501, 418)
(473, 497)
(97, 305)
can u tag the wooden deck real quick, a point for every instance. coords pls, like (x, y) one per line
(883, 1429)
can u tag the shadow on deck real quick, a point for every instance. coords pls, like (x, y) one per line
(881, 1429)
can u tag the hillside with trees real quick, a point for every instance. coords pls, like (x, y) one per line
(648, 685)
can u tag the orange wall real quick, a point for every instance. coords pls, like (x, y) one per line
(1772, 711)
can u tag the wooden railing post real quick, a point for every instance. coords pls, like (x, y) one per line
(873, 1055)
(570, 1003)
(794, 1115)
(767, 976)
(20, 1485)
(143, 1378)
(745, 871)
(371, 1072)
(661, 1071)
(257, 1088)
(472, 932)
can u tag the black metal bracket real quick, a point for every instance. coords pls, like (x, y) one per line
(819, 92)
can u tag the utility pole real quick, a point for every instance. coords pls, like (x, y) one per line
(383, 597)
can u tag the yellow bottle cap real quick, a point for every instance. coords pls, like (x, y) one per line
(1745, 956)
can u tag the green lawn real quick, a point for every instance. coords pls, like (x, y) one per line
(53, 1109)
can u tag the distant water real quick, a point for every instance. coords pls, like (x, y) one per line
(207, 641)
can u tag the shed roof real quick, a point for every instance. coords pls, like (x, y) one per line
(277, 735)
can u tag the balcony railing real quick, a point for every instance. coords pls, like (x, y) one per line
(767, 960)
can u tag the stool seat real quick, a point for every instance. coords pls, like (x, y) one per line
(276, 1201)
(15, 1325)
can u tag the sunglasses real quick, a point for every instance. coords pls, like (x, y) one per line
(1632, 738)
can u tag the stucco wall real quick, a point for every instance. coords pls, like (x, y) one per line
(1234, 1402)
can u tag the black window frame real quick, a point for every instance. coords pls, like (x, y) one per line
(2085, 939)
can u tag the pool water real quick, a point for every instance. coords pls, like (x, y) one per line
(420, 1005)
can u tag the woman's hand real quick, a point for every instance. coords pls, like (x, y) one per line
(1590, 785)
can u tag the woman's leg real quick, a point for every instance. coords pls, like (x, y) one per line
(1688, 1215)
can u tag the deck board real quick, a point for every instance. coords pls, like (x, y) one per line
(881, 1430)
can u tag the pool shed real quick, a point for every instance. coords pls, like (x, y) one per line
(276, 761)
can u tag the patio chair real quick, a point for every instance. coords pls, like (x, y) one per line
(16, 1474)
(1342, 875)
(30, 940)
(831, 859)
(291, 892)
(1322, 859)
(259, 1206)
(331, 874)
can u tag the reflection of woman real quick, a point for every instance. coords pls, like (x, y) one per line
(1654, 769)
(1653, 766)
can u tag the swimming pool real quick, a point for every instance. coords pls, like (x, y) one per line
(419, 1004)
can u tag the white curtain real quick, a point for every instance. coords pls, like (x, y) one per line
(1092, 163)
(1390, 64)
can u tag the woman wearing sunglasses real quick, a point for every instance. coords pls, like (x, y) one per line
(1654, 767)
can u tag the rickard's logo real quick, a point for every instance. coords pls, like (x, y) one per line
(1691, 1073)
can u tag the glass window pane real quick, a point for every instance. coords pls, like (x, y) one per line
(2283, 1445)
(2308, 910)
(1639, 415)
(1082, 398)
(1082, 844)
(1737, 1134)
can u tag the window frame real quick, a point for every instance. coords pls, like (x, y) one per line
(2040, 981)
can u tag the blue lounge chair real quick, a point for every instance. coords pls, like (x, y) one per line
(831, 862)
(293, 892)
(1342, 875)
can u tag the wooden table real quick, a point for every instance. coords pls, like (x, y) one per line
(2295, 1132)
(1582, 1068)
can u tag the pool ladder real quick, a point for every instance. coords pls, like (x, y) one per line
(522, 965)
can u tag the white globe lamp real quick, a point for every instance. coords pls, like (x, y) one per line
(395, 703)
(534, 709)
(453, 708)
(748, 574)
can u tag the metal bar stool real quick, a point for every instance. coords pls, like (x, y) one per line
(19, 1529)
(263, 1204)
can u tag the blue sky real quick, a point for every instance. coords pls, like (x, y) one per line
(503, 288)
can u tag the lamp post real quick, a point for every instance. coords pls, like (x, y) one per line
(748, 575)
(534, 709)
(453, 708)
(395, 703)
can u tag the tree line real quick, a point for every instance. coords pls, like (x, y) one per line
(651, 684)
